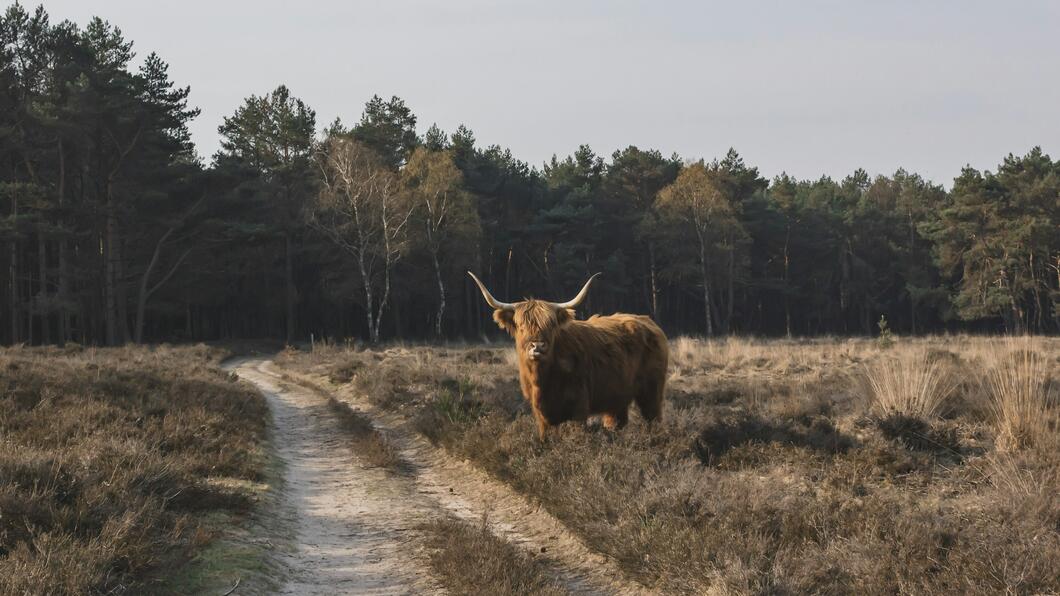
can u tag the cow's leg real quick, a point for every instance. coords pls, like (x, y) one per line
(616, 420)
(650, 399)
(542, 424)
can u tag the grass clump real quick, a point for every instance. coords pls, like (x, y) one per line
(909, 384)
(915, 433)
(1019, 388)
(456, 402)
(454, 406)
(470, 559)
(367, 440)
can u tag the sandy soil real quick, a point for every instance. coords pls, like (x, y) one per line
(355, 527)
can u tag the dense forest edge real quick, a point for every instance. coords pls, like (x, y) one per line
(114, 230)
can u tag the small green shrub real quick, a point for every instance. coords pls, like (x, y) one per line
(456, 404)
(885, 339)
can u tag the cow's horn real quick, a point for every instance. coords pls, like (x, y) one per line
(497, 304)
(577, 299)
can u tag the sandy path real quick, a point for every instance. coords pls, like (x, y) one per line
(354, 527)
(466, 492)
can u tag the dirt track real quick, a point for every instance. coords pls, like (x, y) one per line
(355, 527)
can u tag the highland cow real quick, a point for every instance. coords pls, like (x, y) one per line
(571, 369)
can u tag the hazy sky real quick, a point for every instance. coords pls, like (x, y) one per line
(808, 87)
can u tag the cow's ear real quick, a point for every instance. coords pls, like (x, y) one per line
(564, 314)
(505, 320)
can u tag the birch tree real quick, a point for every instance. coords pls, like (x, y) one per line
(361, 208)
(444, 213)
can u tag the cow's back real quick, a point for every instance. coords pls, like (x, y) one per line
(619, 353)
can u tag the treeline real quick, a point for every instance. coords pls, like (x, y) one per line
(114, 230)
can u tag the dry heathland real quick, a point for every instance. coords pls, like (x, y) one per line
(829, 466)
(111, 459)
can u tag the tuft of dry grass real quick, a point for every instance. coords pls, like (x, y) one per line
(472, 560)
(366, 440)
(109, 457)
(909, 384)
(1019, 386)
(1029, 481)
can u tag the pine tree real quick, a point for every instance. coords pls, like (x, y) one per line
(389, 129)
(273, 135)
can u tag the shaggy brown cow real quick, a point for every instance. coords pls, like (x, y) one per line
(570, 369)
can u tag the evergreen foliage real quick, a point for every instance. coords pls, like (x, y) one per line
(113, 229)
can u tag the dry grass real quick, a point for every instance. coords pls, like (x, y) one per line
(471, 560)
(773, 470)
(109, 457)
(1019, 384)
(1030, 482)
(366, 440)
(910, 384)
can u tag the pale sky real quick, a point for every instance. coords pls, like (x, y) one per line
(811, 88)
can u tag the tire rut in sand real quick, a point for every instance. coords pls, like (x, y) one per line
(354, 527)
(469, 493)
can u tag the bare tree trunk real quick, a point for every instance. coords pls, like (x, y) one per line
(653, 274)
(912, 302)
(110, 294)
(369, 311)
(787, 283)
(42, 288)
(1056, 306)
(508, 274)
(732, 286)
(116, 315)
(387, 264)
(290, 289)
(122, 295)
(63, 289)
(141, 306)
(63, 293)
(390, 255)
(360, 249)
(16, 334)
(1036, 290)
(705, 272)
(145, 290)
(912, 315)
(441, 294)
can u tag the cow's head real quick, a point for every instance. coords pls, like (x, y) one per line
(533, 323)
